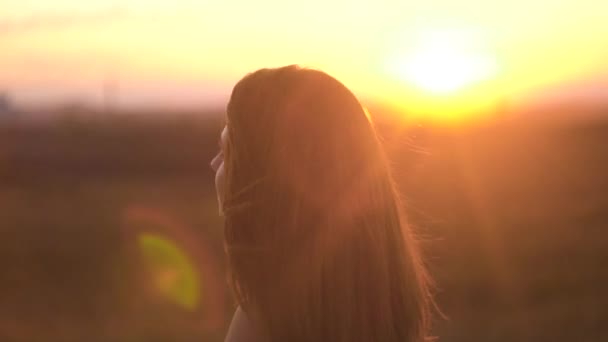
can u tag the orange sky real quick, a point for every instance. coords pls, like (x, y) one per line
(191, 52)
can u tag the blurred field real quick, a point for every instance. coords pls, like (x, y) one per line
(513, 218)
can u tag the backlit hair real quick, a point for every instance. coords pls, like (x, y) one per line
(317, 248)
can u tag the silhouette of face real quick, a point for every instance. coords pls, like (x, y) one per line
(217, 165)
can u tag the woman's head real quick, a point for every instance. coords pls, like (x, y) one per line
(315, 243)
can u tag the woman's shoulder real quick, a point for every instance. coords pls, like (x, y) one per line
(240, 329)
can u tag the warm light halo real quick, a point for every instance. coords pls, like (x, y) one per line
(445, 61)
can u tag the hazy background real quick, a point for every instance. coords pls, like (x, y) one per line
(494, 115)
(189, 53)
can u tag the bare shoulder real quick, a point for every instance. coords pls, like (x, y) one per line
(240, 329)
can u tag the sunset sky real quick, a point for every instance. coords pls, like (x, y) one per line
(415, 54)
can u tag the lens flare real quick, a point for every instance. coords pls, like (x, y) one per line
(174, 274)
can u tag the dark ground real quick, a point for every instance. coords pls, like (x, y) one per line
(513, 218)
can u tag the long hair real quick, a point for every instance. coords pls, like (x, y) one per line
(317, 248)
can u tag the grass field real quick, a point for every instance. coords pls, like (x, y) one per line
(513, 219)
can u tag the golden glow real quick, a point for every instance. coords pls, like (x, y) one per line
(446, 61)
(428, 57)
(443, 75)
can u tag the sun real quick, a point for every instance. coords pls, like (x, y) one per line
(445, 62)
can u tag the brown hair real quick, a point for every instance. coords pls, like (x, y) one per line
(317, 248)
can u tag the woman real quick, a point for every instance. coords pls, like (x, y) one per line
(317, 249)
